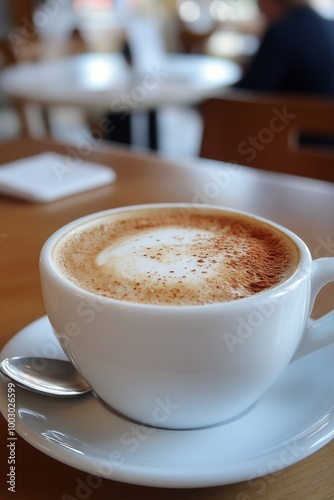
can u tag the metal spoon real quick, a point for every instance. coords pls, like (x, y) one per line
(54, 377)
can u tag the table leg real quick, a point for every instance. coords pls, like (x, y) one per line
(153, 130)
(121, 130)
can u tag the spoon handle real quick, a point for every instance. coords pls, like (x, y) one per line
(53, 377)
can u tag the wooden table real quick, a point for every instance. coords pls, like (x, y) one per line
(303, 205)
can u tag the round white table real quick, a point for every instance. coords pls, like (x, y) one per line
(107, 83)
(101, 81)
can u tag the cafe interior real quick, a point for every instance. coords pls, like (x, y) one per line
(71, 46)
(112, 103)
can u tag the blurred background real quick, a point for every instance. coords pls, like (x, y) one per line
(36, 30)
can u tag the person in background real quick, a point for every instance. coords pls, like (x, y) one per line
(296, 54)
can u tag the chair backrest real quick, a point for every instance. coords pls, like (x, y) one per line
(280, 133)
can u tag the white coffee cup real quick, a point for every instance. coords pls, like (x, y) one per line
(186, 366)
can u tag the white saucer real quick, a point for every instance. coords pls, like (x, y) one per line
(293, 420)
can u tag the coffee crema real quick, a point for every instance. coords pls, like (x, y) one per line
(176, 256)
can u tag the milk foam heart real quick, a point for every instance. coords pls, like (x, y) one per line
(175, 256)
(165, 253)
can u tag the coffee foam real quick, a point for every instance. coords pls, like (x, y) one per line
(173, 256)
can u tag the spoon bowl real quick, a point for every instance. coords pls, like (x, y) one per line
(54, 377)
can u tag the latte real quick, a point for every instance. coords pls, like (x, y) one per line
(176, 256)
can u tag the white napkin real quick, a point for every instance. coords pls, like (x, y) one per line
(49, 176)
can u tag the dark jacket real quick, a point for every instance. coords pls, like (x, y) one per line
(295, 55)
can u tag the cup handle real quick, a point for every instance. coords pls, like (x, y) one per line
(320, 332)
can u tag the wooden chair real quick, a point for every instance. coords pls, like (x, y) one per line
(33, 50)
(193, 42)
(8, 58)
(280, 133)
